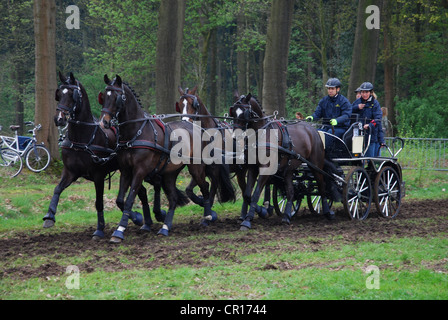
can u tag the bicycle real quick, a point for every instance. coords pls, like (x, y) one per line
(36, 156)
(11, 163)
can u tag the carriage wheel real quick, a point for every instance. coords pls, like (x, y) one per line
(279, 200)
(387, 193)
(357, 194)
(315, 203)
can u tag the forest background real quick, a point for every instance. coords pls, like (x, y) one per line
(224, 45)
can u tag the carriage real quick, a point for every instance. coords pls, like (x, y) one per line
(358, 182)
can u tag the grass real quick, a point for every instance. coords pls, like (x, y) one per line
(411, 268)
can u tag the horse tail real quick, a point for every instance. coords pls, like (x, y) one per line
(182, 198)
(226, 190)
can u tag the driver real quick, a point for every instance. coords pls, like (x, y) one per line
(334, 109)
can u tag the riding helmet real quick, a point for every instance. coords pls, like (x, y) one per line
(333, 83)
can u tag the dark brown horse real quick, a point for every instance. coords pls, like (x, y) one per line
(87, 151)
(295, 143)
(191, 106)
(146, 153)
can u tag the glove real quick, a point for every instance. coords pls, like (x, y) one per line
(309, 118)
(333, 122)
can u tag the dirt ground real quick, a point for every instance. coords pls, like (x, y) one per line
(189, 244)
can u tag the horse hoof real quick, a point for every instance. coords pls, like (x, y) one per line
(245, 225)
(163, 232)
(98, 235)
(286, 221)
(145, 228)
(330, 216)
(48, 223)
(263, 213)
(138, 219)
(117, 235)
(115, 240)
(160, 216)
(212, 217)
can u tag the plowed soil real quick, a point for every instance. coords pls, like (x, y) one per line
(189, 244)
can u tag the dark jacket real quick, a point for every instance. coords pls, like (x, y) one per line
(371, 114)
(338, 108)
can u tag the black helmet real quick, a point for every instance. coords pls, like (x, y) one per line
(358, 90)
(333, 83)
(366, 86)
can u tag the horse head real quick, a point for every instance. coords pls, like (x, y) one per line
(112, 100)
(188, 103)
(245, 111)
(69, 97)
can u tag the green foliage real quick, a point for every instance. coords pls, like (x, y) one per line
(424, 116)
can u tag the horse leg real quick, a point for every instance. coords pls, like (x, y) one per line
(118, 235)
(159, 213)
(143, 196)
(321, 188)
(66, 180)
(289, 197)
(189, 191)
(99, 205)
(241, 178)
(169, 186)
(199, 175)
(254, 207)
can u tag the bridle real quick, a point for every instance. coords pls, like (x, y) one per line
(77, 98)
(247, 112)
(119, 102)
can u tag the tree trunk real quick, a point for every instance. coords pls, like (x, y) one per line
(276, 56)
(389, 66)
(168, 54)
(242, 56)
(365, 50)
(45, 74)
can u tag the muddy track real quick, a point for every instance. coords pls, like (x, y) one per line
(190, 244)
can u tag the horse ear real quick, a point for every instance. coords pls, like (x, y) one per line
(236, 96)
(248, 97)
(181, 91)
(72, 78)
(61, 77)
(193, 91)
(118, 80)
(107, 80)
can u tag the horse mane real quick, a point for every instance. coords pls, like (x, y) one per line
(137, 97)
(259, 104)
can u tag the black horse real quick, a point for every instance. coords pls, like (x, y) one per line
(146, 153)
(296, 143)
(87, 151)
(192, 108)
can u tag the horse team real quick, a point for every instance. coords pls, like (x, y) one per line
(141, 148)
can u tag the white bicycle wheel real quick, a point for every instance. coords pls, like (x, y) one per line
(37, 158)
(11, 163)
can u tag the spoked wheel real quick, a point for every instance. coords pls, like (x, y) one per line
(357, 194)
(387, 192)
(279, 201)
(315, 203)
(10, 163)
(37, 158)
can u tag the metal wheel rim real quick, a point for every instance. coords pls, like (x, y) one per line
(357, 194)
(388, 193)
